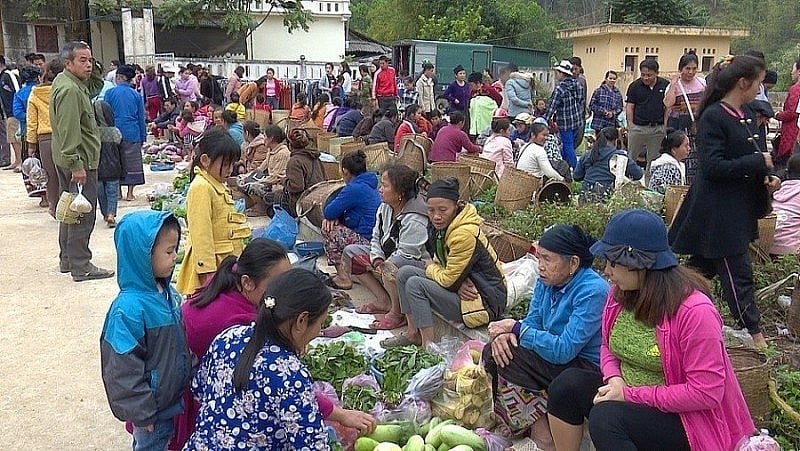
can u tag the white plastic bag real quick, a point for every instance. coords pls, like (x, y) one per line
(521, 275)
(81, 203)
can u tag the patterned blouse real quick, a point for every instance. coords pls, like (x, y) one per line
(277, 410)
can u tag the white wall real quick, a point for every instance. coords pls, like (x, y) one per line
(104, 42)
(324, 41)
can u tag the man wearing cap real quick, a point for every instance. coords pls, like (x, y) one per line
(384, 89)
(567, 104)
(644, 111)
(76, 154)
(129, 118)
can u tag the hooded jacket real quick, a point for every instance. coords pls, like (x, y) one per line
(786, 205)
(407, 233)
(302, 171)
(597, 176)
(469, 254)
(38, 114)
(21, 104)
(145, 358)
(356, 204)
(518, 92)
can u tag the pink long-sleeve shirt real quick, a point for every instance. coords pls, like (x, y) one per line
(701, 386)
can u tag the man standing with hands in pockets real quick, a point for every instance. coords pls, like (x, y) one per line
(76, 153)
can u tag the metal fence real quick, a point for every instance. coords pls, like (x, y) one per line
(253, 69)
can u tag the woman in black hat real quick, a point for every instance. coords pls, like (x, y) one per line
(465, 282)
(666, 382)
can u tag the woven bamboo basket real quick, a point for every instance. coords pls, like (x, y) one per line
(280, 117)
(759, 250)
(460, 171)
(413, 152)
(348, 147)
(673, 199)
(554, 192)
(332, 170)
(378, 156)
(324, 140)
(508, 246)
(752, 372)
(311, 128)
(314, 199)
(516, 189)
(482, 175)
(335, 145)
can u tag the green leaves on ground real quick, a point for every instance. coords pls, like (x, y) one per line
(334, 363)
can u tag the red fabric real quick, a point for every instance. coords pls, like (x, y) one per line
(449, 142)
(402, 130)
(385, 84)
(424, 125)
(153, 108)
(788, 118)
(489, 90)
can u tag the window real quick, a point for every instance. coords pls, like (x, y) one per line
(651, 57)
(630, 63)
(707, 63)
(46, 38)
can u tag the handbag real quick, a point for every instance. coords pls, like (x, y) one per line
(282, 228)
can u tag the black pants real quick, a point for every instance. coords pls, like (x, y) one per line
(736, 277)
(73, 239)
(528, 369)
(613, 425)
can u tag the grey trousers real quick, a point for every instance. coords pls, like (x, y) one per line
(420, 295)
(640, 136)
(73, 239)
(46, 155)
(5, 147)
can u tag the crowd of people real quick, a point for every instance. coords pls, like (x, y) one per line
(638, 355)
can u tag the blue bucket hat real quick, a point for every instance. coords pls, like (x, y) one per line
(636, 239)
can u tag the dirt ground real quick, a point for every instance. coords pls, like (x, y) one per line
(52, 392)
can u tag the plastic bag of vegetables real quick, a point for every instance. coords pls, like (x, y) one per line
(427, 383)
(466, 397)
(360, 392)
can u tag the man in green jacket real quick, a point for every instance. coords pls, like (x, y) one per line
(76, 153)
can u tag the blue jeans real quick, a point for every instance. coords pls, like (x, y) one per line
(568, 147)
(107, 197)
(158, 440)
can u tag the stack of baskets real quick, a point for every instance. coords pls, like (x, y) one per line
(324, 140)
(752, 372)
(350, 146)
(516, 189)
(482, 174)
(335, 145)
(460, 171)
(508, 246)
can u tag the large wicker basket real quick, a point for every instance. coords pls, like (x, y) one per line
(311, 128)
(759, 250)
(460, 171)
(280, 117)
(752, 372)
(324, 140)
(332, 171)
(482, 172)
(673, 199)
(378, 156)
(508, 246)
(413, 152)
(313, 200)
(554, 192)
(335, 145)
(516, 189)
(350, 146)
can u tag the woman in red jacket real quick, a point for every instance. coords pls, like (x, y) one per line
(408, 126)
(788, 118)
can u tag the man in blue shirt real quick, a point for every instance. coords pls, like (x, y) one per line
(567, 104)
(129, 118)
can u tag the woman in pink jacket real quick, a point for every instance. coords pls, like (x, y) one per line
(667, 382)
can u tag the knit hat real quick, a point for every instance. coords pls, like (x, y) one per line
(636, 239)
(458, 69)
(127, 71)
(565, 67)
(444, 188)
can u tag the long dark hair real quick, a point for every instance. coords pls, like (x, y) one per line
(216, 143)
(256, 262)
(724, 76)
(673, 139)
(607, 134)
(661, 293)
(404, 180)
(293, 293)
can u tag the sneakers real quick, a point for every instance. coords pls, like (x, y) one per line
(95, 274)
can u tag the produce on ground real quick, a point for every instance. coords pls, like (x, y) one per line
(334, 363)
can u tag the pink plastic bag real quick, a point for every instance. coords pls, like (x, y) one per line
(464, 356)
(494, 442)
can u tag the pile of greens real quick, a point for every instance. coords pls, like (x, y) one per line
(334, 363)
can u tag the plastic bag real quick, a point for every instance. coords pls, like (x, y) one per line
(427, 383)
(325, 389)
(362, 380)
(282, 228)
(760, 442)
(360, 392)
(64, 214)
(521, 277)
(466, 397)
(468, 354)
(80, 204)
(415, 412)
(494, 442)
(447, 347)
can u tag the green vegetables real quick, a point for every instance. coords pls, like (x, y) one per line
(405, 361)
(180, 182)
(356, 397)
(334, 363)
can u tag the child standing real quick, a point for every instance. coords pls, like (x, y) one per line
(216, 230)
(410, 94)
(110, 169)
(236, 107)
(146, 365)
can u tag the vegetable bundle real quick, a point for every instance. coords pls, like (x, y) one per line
(334, 363)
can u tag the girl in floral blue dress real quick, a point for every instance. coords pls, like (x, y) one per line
(253, 390)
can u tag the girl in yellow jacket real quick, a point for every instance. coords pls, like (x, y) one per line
(216, 230)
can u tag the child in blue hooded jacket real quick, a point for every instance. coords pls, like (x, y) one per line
(145, 358)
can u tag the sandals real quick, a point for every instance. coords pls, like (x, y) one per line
(332, 283)
(389, 322)
(397, 341)
(371, 309)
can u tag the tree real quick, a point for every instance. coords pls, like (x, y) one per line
(234, 16)
(661, 12)
(466, 27)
